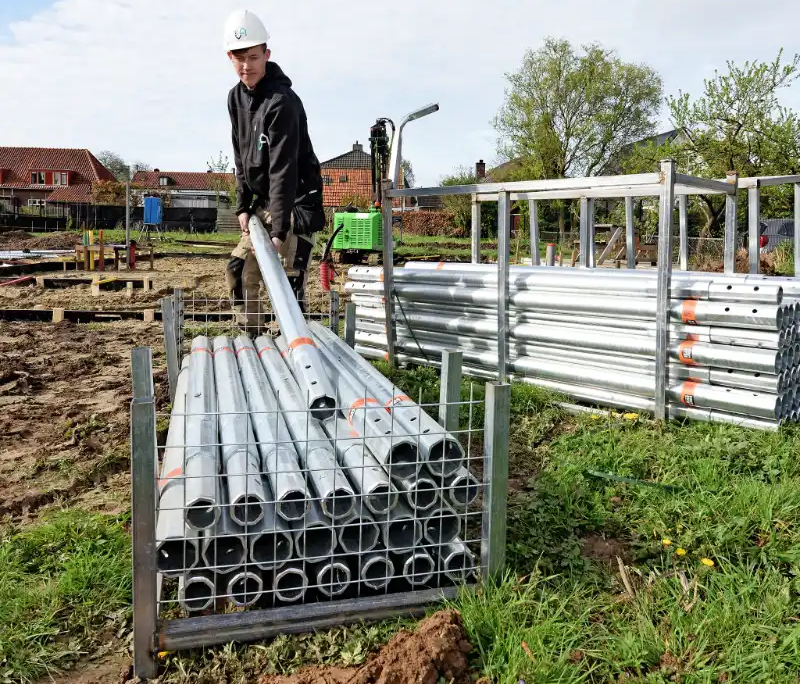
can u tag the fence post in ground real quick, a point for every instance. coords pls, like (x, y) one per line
(350, 324)
(450, 390)
(143, 497)
(334, 312)
(388, 270)
(503, 256)
(797, 230)
(170, 343)
(476, 230)
(495, 468)
(753, 226)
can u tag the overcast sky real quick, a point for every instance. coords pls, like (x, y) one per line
(148, 79)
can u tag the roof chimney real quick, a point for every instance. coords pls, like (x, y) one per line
(358, 147)
(157, 170)
(480, 170)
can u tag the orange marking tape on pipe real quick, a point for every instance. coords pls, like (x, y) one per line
(266, 349)
(358, 403)
(238, 351)
(285, 353)
(381, 278)
(222, 349)
(687, 392)
(299, 342)
(440, 266)
(397, 399)
(685, 354)
(689, 311)
(202, 349)
(175, 472)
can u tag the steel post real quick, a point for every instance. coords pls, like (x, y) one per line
(143, 497)
(796, 234)
(754, 227)
(550, 254)
(587, 258)
(334, 312)
(683, 233)
(170, 343)
(503, 257)
(533, 209)
(388, 270)
(730, 226)
(630, 234)
(495, 468)
(476, 230)
(350, 324)
(304, 358)
(665, 230)
(180, 316)
(450, 390)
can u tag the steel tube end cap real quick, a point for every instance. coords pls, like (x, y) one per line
(245, 588)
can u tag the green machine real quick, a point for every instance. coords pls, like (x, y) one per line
(358, 235)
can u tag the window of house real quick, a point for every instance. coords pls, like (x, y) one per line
(36, 203)
(59, 178)
(343, 178)
(163, 180)
(37, 178)
(327, 180)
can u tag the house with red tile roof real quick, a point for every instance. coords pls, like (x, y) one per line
(347, 177)
(187, 189)
(41, 176)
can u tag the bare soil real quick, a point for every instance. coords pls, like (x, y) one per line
(64, 413)
(19, 239)
(436, 652)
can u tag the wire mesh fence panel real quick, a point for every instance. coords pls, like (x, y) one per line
(265, 509)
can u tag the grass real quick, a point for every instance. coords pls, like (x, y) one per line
(65, 585)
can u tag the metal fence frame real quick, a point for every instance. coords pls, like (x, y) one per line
(152, 635)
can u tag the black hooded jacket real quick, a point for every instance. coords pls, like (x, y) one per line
(275, 162)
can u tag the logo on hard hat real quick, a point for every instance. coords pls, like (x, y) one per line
(240, 33)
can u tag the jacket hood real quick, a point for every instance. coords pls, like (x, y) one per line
(274, 76)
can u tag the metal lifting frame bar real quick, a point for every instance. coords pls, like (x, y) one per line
(334, 312)
(495, 468)
(797, 230)
(665, 220)
(503, 257)
(168, 319)
(683, 232)
(388, 268)
(587, 233)
(630, 233)
(730, 226)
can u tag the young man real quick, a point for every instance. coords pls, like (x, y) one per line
(277, 173)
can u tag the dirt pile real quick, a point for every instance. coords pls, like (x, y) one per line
(436, 650)
(19, 239)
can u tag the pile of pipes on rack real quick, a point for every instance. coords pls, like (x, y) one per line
(270, 495)
(734, 348)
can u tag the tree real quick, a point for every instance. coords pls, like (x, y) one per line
(408, 173)
(461, 205)
(737, 124)
(222, 179)
(119, 167)
(567, 113)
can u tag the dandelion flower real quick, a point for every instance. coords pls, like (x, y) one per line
(666, 542)
(594, 416)
(631, 416)
(707, 562)
(680, 552)
(163, 654)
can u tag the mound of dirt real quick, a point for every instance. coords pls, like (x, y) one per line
(436, 650)
(19, 239)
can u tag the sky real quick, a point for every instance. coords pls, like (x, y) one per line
(148, 79)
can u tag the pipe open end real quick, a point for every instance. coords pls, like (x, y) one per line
(293, 505)
(445, 457)
(247, 510)
(245, 589)
(333, 579)
(381, 499)
(323, 407)
(224, 554)
(418, 569)
(459, 567)
(316, 542)
(464, 490)
(290, 585)
(403, 460)
(359, 534)
(339, 504)
(272, 548)
(174, 555)
(202, 514)
(442, 527)
(198, 593)
(403, 533)
(377, 572)
(423, 495)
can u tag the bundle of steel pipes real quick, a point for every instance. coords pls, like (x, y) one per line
(734, 348)
(262, 502)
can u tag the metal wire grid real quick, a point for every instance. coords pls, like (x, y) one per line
(456, 522)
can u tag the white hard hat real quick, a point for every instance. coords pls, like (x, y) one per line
(243, 30)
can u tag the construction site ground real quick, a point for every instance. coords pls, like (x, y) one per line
(687, 571)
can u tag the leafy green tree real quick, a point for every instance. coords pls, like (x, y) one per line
(567, 113)
(408, 173)
(461, 205)
(222, 179)
(119, 167)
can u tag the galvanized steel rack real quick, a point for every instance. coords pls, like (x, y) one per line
(261, 519)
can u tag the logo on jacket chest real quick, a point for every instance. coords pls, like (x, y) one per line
(262, 140)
